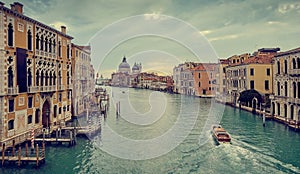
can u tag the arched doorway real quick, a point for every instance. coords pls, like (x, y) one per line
(46, 114)
(285, 110)
(292, 112)
(273, 108)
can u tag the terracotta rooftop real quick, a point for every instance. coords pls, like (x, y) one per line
(205, 67)
(296, 50)
(258, 60)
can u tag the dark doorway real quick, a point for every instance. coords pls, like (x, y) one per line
(46, 114)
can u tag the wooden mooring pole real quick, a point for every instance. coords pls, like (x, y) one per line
(3, 153)
(37, 155)
(19, 156)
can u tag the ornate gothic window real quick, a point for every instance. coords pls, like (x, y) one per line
(37, 80)
(285, 88)
(10, 79)
(54, 46)
(294, 64)
(29, 40)
(59, 49)
(42, 78)
(278, 88)
(42, 43)
(294, 89)
(37, 42)
(29, 77)
(46, 44)
(285, 66)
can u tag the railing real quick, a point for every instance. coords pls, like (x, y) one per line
(61, 87)
(11, 133)
(294, 71)
(33, 89)
(13, 90)
(69, 86)
(294, 100)
(48, 88)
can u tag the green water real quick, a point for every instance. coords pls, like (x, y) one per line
(254, 148)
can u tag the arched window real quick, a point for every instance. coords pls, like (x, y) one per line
(37, 80)
(59, 49)
(294, 64)
(46, 44)
(285, 88)
(278, 109)
(292, 112)
(59, 78)
(68, 51)
(46, 79)
(29, 77)
(37, 42)
(29, 40)
(285, 66)
(10, 35)
(298, 89)
(285, 110)
(54, 46)
(29, 119)
(54, 79)
(68, 78)
(278, 88)
(50, 79)
(50, 46)
(11, 124)
(42, 78)
(10, 79)
(298, 63)
(278, 67)
(199, 84)
(42, 43)
(294, 89)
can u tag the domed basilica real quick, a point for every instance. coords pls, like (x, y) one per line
(124, 76)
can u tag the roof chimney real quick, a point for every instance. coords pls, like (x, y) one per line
(63, 29)
(17, 7)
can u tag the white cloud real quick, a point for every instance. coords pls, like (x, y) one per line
(284, 8)
(206, 32)
(152, 16)
(226, 37)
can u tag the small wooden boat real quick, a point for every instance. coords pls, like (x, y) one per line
(220, 134)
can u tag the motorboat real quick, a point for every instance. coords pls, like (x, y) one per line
(220, 134)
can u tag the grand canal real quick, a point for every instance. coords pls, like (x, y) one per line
(254, 148)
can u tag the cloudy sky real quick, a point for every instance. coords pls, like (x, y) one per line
(231, 27)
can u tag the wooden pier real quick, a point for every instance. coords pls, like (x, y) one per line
(85, 130)
(61, 136)
(36, 156)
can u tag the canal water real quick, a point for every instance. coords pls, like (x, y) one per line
(254, 148)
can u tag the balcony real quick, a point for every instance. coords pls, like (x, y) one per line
(48, 88)
(33, 89)
(294, 71)
(70, 86)
(294, 100)
(61, 87)
(13, 90)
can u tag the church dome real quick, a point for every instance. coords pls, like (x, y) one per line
(124, 66)
(135, 67)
